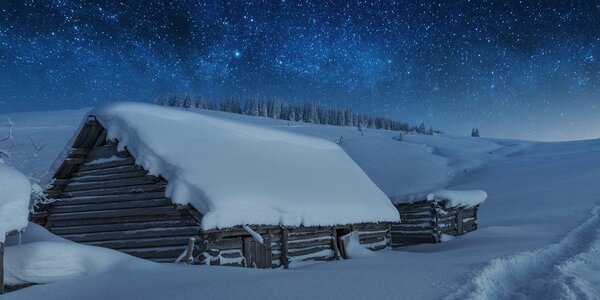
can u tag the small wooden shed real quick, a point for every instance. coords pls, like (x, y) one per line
(104, 198)
(426, 220)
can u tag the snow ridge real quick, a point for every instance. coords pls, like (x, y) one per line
(553, 271)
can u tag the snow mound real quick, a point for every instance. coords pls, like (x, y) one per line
(238, 173)
(15, 192)
(459, 198)
(38, 256)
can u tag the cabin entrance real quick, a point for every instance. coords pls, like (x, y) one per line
(257, 255)
(339, 233)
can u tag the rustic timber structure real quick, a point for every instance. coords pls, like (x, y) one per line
(425, 221)
(102, 198)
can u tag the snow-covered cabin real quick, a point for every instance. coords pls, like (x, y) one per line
(144, 179)
(426, 218)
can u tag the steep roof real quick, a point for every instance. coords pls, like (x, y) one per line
(237, 173)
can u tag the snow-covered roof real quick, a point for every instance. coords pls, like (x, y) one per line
(237, 173)
(454, 198)
(15, 193)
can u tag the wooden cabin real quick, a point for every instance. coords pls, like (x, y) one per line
(104, 198)
(425, 221)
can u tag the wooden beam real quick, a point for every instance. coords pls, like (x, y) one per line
(1, 268)
(284, 248)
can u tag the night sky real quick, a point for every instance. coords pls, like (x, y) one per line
(523, 69)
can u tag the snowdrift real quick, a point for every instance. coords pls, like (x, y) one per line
(15, 191)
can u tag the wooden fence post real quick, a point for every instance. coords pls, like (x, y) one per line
(284, 247)
(1, 268)
(459, 221)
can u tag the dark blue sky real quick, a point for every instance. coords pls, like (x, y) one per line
(526, 69)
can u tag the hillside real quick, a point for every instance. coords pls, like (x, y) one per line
(538, 231)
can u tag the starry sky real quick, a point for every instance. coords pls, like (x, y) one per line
(520, 69)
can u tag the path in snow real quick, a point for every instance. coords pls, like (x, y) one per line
(568, 269)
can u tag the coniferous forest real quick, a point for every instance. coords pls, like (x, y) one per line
(308, 112)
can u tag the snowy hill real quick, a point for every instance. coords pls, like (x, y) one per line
(538, 231)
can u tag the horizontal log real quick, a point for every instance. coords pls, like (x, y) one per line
(78, 151)
(413, 240)
(111, 205)
(126, 219)
(142, 243)
(308, 244)
(74, 161)
(372, 240)
(115, 213)
(133, 234)
(308, 235)
(415, 205)
(302, 230)
(410, 235)
(108, 177)
(306, 251)
(136, 189)
(411, 228)
(424, 218)
(226, 244)
(107, 199)
(108, 171)
(105, 165)
(85, 186)
(366, 235)
(121, 227)
(371, 226)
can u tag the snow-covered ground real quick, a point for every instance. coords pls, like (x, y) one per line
(538, 233)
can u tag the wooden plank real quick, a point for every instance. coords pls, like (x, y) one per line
(334, 243)
(135, 189)
(105, 165)
(408, 235)
(133, 234)
(247, 252)
(459, 222)
(142, 243)
(122, 226)
(107, 171)
(108, 177)
(126, 219)
(107, 199)
(115, 213)
(111, 205)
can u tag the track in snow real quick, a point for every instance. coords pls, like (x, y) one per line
(568, 269)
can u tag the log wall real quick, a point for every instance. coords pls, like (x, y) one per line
(426, 221)
(103, 198)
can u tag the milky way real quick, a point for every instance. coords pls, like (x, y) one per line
(513, 68)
